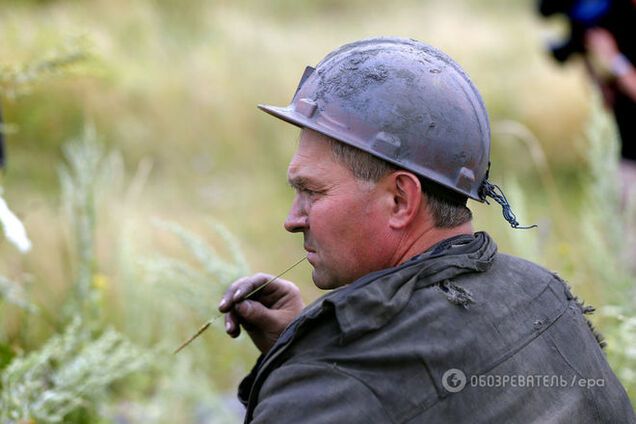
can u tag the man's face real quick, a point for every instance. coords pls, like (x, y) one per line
(342, 219)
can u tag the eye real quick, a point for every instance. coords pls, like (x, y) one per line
(309, 192)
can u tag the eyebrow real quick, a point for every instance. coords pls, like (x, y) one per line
(299, 182)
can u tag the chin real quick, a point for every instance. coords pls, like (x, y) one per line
(318, 281)
(325, 282)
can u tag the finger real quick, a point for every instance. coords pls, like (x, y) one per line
(232, 327)
(257, 283)
(282, 293)
(239, 289)
(256, 315)
(274, 291)
(227, 303)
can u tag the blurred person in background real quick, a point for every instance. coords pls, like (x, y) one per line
(425, 320)
(604, 32)
(615, 74)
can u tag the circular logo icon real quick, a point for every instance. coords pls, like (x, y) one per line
(454, 380)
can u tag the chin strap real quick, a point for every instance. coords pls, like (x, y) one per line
(493, 191)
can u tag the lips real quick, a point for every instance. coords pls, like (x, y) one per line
(311, 254)
(311, 258)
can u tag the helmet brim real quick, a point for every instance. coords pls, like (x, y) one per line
(291, 116)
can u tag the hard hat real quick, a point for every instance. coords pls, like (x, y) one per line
(402, 101)
(405, 102)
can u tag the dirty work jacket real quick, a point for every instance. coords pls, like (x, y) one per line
(459, 334)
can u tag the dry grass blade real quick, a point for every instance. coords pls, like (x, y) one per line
(256, 290)
(194, 336)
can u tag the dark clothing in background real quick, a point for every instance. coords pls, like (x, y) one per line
(624, 106)
(618, 17)
(625, 113)
(376, 351)
(621, 23)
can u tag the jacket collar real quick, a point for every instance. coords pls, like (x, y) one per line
(372, 301)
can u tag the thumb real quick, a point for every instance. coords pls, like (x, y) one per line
(255, 313)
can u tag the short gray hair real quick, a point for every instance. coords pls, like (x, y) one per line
(447, 208)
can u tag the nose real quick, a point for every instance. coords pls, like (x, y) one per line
(297, 219)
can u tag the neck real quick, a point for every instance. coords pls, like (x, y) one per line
(425, 239)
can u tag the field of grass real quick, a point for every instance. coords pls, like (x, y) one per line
(147, 179)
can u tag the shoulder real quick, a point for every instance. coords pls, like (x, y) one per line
(520, 265)
(515, 280)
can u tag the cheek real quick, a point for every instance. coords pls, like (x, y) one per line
(351, 221)
(329, 222)
(368, 230)
(350, 239)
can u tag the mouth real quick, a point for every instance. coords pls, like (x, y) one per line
(311, 255)
(311, 258)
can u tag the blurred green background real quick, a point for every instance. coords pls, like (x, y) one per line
(164, 92)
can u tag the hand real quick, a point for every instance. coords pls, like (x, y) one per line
(602, 45)
(265, 314)
(604, 51)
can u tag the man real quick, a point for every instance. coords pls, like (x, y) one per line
(424, 312)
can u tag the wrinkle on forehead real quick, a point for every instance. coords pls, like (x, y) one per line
(314, 164)
(312, 158)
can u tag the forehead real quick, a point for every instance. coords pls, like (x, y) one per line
(313, 160)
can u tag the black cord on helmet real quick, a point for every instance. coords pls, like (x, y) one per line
(492, 190)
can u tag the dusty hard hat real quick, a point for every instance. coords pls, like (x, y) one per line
(407, 103)
(402, 101)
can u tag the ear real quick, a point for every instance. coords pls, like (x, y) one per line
(407, 199)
